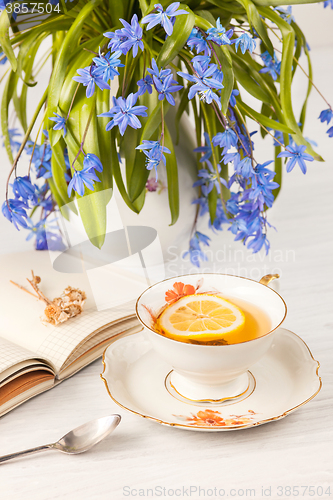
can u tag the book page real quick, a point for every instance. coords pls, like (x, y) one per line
(13, 355)
(20, 313)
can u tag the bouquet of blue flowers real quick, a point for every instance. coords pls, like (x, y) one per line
(118, 67)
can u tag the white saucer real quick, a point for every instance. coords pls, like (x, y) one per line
(137, 380)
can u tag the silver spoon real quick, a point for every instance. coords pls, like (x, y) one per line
(78, 440)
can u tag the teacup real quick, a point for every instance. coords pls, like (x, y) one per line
(212, 372)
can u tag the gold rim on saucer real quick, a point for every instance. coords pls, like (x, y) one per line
(211, 428)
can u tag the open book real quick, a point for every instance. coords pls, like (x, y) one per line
(35, 356)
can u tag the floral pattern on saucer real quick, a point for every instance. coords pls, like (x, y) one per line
(209, 418)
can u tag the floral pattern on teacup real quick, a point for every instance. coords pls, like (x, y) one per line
(210, 418)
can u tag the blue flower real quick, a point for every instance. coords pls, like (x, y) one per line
(326, 115)
(15, 145)
(205, 149)
(145, 84)
(164, 89)
(328, 3)
(40, 199)
(195, 251)
(60, 122)
(272, 66)
(88, 78)
(15, 212)
(124, 113)
(154, 152)
(163, 17)
(232, 101)
(4, 60)
(209, 178)
(244, 167)
(286, 14)
(296, 155)
(106, 65)
(23, 188)
(203, 204)
(81, 178)
(220, 218)
(219, 35)
(127, 38)
(330, 132)
(233, 204)
(197, 41)
(245, 42)
(259, 240)
(92, 161)
(204, 83)
(41, 159)
(45, 238)
(225, 140)
(229, 157)
(161, 74)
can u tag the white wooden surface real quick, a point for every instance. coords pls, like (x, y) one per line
(295, 451)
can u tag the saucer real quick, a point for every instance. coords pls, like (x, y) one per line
(282, 381)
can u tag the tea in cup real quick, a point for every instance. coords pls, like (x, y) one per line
(211, 328)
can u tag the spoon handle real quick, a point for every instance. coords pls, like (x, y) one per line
(30, 451)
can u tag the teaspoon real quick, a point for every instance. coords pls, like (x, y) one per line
(76, 441)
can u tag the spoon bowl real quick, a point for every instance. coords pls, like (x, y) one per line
(78, 440)
(85, 436)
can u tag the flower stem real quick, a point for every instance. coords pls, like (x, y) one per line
(72, 102)
(84, 137)
(213, 154)
(25, 138)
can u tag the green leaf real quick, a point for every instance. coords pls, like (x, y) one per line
(59, 201)
(249, 84)
(174, 43)
(288, 36)
(69, 44)
(280, 3)
(278, 170)
(26, 57)
(117, 173)
(5, 41)
(267, 122)
(104, 138)
(83, 58)
(59, 168)
(181, 108)
(6, 97)
(143, 6)
(302, 43)
(223, 5)
(172, 178)
(212, 204)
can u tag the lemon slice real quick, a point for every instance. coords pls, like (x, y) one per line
(202, 317)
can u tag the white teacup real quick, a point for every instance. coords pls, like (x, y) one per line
(212, 372)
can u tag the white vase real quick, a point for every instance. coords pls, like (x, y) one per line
(156, 212)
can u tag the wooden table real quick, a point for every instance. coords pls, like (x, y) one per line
(295, 451)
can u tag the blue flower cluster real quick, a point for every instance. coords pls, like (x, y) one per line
(163, 17)
(251, 185)
(206, 78)
(326, 116)
(272, 65)
(86, 176)
(154, 152)
(250, 188)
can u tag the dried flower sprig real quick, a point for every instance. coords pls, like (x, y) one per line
(68, 305)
